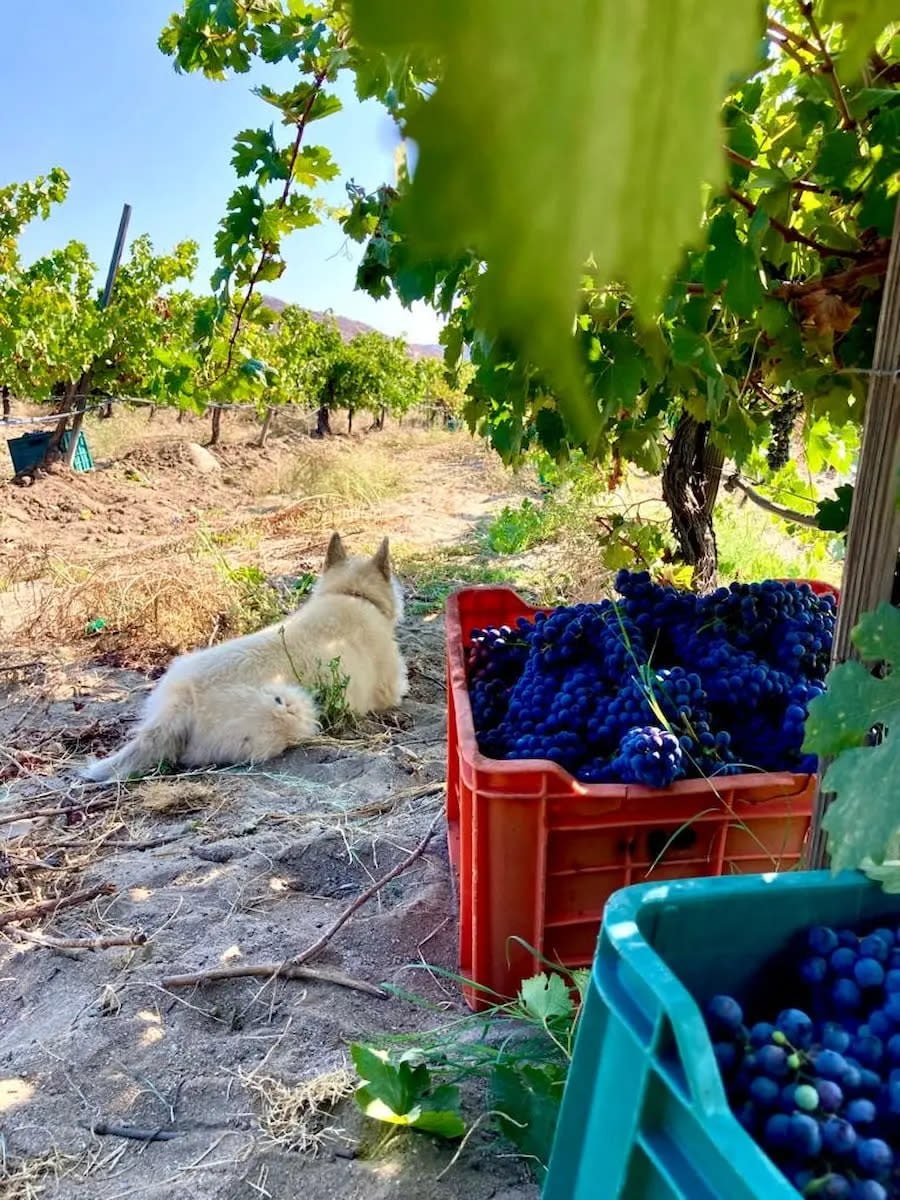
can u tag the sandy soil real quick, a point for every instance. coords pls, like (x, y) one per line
(219, 868)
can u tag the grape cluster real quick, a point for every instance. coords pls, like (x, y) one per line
(783, 420)
(819, 1088)
(658, 686)
(494, 661)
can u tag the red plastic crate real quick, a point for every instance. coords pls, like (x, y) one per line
(537, 853)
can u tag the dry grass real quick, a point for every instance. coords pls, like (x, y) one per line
(339, 472)
(29, 1178)
(175, 797)
(295, 1118)
(153, 611)
(149, 611)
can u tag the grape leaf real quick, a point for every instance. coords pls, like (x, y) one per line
(834, 515)
(546, 997)
(838, 156)
(886, 873)
(866, 809)
(528, 1097)
(255, 150)
(863, 21)
(865, 779)
(620, 373)
(536, 178)
(401, 1094)
(724, 251)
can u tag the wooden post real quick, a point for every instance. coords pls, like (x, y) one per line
(82, 389)
(180, 417)
(873, 538)
(4, 396)
(216, 425)
(267, 425)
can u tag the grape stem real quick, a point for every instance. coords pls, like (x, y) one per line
(827, 68)
(794, 235)
(778, 510)
(267, 248)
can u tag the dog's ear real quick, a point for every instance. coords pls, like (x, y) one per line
(382, 559)
(335, 554)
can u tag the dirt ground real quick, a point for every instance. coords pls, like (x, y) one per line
(219, 868)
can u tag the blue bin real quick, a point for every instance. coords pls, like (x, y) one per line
(644, 1114)
(29, 449)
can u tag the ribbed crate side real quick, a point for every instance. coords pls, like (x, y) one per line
(526, 836)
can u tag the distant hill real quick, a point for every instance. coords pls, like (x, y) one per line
(349, 328)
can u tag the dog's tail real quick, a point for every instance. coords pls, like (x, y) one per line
(161, 739)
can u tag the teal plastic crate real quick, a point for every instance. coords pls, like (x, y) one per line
(29, 449)
(644, 1115)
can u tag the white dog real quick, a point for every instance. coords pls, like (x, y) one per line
(246, 699)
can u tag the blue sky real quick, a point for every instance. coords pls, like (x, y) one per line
(87, 89)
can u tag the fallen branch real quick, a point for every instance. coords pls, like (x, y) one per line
(88, 806)
(90, 943)
(28, 912)
(22, 666)
(101, 1129)
(292, 968)
(270, 970)
(360, 900)
(778, 510)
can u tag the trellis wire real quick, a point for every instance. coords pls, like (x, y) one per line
(135, 401)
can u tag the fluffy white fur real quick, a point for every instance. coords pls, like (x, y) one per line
(245, 700)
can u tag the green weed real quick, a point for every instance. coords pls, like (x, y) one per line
(330, 694)
(515, 530)
(254, 603)
(414, 1080)
(752, 546)
(431, 576)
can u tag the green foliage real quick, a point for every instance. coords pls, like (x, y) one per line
(834, 514)
(546, 232)
(433, 576)
(402, 1092)
(779, 296)
(257, 603)
(52, 328)
(515, 530)
(549, 181)
(865, 20)
(314, 367)
(279, 177)
(22, 203)
(525, 1070)
(856, 722)
(330, 694)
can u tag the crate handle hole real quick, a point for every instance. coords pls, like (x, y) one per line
(663, 842)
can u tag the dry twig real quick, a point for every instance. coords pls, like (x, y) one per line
(28, 912)
(268, 970)
(290, 967)
(88, 943)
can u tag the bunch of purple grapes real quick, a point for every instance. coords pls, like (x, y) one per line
(819, 1087)
(658, 686)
